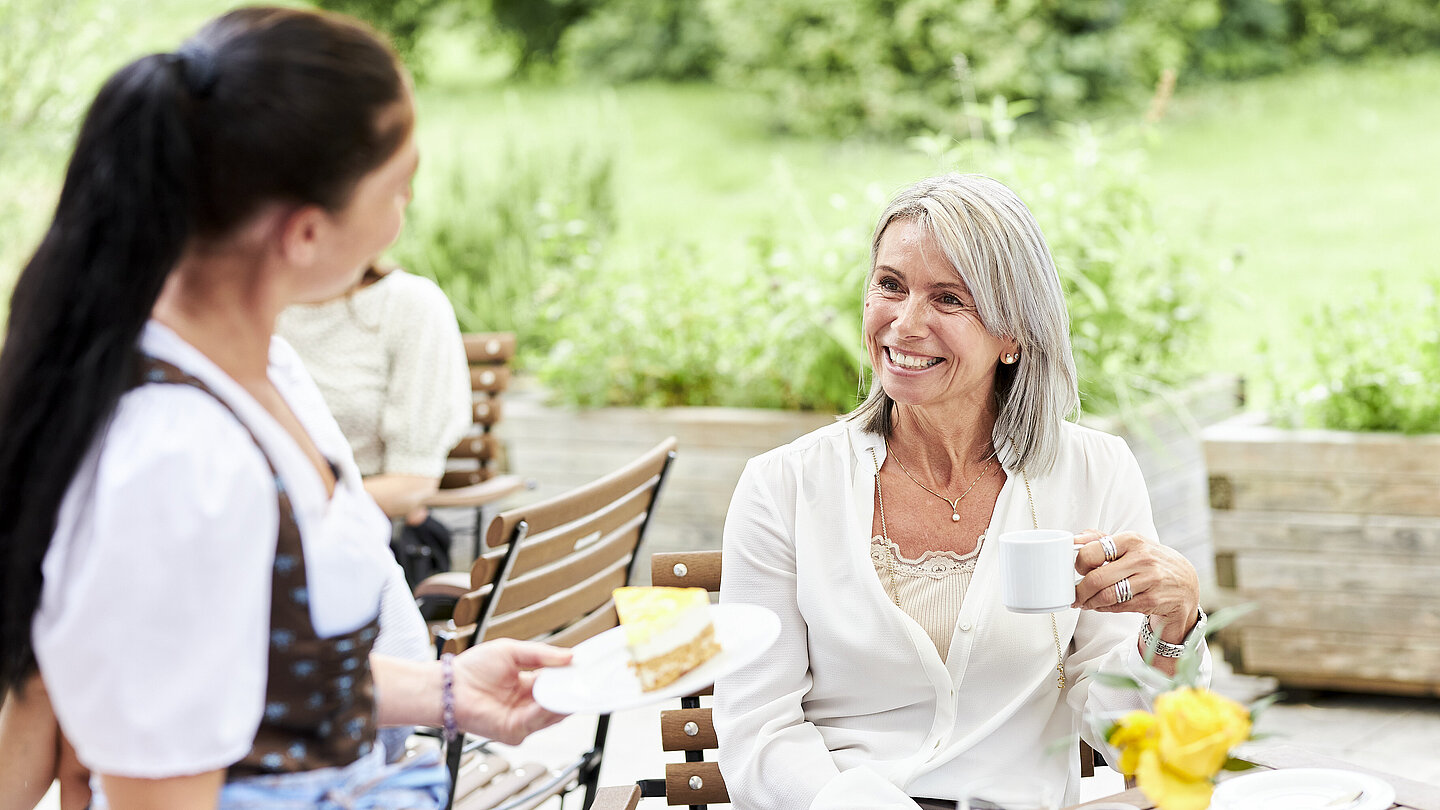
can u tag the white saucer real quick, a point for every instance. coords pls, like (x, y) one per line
(1303, 789)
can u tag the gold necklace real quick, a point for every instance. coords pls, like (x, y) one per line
(955, 504)
(1034, 519)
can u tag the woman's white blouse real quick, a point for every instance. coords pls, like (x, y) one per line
(154, 618)
(853, 706)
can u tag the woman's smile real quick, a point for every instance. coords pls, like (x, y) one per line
(911, 362)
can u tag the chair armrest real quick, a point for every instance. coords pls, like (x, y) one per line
(477, 494)
(446, 585)
(616, 798)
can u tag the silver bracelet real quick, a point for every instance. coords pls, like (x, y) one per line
(1165, 649)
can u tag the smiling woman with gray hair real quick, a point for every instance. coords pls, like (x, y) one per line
(899, 679)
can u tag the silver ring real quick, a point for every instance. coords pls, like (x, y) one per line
(1111, 553)
(1122, 590)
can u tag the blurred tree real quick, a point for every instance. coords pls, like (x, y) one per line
(628, 40)
(539, 26)
(404, 21)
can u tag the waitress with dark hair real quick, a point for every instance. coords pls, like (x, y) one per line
(186, 548)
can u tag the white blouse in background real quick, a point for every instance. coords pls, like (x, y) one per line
(390, 362)
(154, 620)
(853, 707)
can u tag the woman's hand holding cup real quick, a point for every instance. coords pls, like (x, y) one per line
(1157, 580)
(1120, 573)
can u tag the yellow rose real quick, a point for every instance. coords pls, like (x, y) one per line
(1136, 732)
(1169, 789)
(1197, 728)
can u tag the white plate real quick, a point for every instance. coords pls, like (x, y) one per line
(600, 680)
(1303, 789)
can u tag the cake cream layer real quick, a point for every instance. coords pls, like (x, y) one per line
(679, 632)
(661, 671)
(657, 620)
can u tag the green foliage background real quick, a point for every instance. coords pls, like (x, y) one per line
(1373, 364)
(891, 66)
(676, 249)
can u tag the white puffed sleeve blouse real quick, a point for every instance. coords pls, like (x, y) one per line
(154, 617)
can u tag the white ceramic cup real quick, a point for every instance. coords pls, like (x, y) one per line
(1037, 570)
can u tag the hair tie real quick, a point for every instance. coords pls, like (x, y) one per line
(197, 68)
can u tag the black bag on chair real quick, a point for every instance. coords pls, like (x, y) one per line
(422, 549)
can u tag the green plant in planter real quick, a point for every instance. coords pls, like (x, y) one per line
(503, 244)
(1373, 364)
(675, 326)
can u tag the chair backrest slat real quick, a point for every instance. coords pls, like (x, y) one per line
(687, 730)
(476, 446)
(533, 586)
(475, 459)
(486, 411)
(543, 546)
(686, 569)
(709, 789)
(572, 505)
(559, 610)
(598, 621)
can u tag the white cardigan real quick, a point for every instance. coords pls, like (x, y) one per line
(852, 707)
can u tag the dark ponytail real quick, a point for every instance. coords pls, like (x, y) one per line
(262, 105)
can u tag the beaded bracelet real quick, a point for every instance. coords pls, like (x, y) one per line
(447, 696)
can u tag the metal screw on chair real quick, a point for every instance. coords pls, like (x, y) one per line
(696, 783)
(492, 346)
(691, 729)
(487, 378)
(680, 569)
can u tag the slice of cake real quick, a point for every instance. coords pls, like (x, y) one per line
(667, 630)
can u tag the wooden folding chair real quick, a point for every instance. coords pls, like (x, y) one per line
(472, 479)
(548, 576)
(697, 782)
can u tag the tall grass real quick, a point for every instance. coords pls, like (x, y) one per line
(1315, 182)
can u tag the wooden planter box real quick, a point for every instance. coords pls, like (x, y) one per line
(561, 448)
(1336, 538)
(1164, 435)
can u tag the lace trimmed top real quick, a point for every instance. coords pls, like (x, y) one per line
(930, 589)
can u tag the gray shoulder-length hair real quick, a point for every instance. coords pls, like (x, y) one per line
(995, 246)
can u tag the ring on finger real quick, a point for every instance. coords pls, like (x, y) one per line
(1111, 553)
(1122, 590)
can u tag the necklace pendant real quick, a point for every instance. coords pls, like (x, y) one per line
(955, 516)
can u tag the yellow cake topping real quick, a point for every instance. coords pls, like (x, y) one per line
(646, 611)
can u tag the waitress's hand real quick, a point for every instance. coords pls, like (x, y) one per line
(1162, 583)
(493, 684)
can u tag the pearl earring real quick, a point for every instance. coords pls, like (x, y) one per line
(1009, 359)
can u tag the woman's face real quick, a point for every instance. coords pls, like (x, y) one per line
(370, 222)
(926, 342)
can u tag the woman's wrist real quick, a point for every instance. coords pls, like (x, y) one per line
(408, 693)
(1171, 638)
(447, 697)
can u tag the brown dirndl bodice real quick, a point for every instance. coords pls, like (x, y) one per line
(319, 696)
